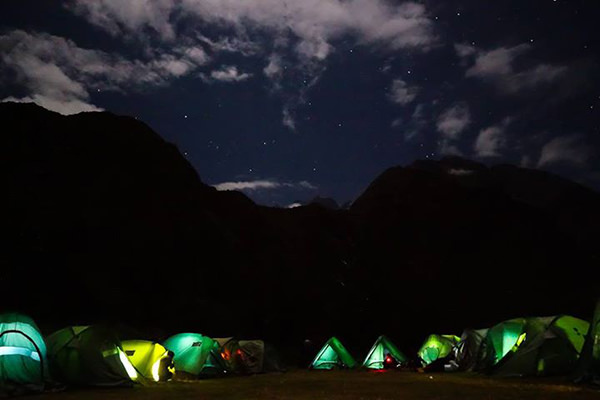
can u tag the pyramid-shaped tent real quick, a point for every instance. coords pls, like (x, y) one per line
(333, 355)
(384, 354)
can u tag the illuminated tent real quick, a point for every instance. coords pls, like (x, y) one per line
(333, 355)
(195, 354)
(384, 354)
(248, 356)
(90, 356)
(22, 355)
(555, 351)
(504, 339)
(466, 351)
(437, 347)
(588, 369)
(151, 360)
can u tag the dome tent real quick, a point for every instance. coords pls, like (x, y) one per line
(195, 354)
(248, 356)
(466, 351)
(437, 347)
(89, 356)
(333, 355)
(151, 360)
(588, 368)
(23, 364)
(384, 354)
(555, 351)
(504, 339)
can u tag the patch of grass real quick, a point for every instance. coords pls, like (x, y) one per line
(343, 385)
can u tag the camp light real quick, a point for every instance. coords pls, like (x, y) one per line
(389, 361)
(129, 368)
(156, 367)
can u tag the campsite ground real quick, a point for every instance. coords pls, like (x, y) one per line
(346, 385)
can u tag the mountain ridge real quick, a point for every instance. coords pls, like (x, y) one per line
(117, 218)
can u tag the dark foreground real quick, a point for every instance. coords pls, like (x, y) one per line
(343, 385)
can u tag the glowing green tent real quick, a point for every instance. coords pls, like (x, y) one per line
(383, 355)
(89, 356)
(588, 368)
(22, 354)
(553, 351)
(333, 355)
(437, 347)
(504, 339)
(195, 354)
(151, 360)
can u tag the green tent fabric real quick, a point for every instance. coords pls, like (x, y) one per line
(22, 354)
(588, 368)
(195, 354)
(555, 351)
(504, 339)
(384, 354)
(333, 355)
(89, 356)
(437, 347)
(151, 360)
(466, 351)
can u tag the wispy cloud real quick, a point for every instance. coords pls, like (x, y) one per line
(498, 66)
(265, 184)
(402, 93)
(454, 120)
(59, 75)
(228, 74)
(570, 149)
(301, 34)
(492, 140)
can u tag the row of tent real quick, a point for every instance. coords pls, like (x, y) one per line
(540, 346)
(94, 356)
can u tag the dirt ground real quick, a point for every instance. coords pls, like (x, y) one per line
(342, 385)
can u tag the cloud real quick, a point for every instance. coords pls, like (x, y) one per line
(288, 119)
(65, 107)
(454, 120)
(59, 75)
(492, 139)
(401, 93)
(448, 148)
(415, 125)
(133, 16)
(569, 149)
(265, 184)
(315, 22)
(464, 50)
(301, 34)
(497, 66)
(493, 63)
(228, 74)
(274, 69)
(460, 171)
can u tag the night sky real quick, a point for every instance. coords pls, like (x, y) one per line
(290, 99)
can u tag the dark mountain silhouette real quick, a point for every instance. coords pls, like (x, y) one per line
(104, 220)
(326, 202)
